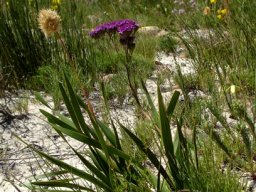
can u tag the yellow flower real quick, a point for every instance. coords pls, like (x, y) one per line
(233, 89)
(49, 21)
(56, 2)
(213, 1)
(54, 7)
(219, 17)
(223, 11)
(206, 11)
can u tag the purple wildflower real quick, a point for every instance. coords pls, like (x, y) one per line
(124, 27)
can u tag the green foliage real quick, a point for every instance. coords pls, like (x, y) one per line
(111, 162)
(168, 43)
(23, 48)
(223, 57)
(109, 165)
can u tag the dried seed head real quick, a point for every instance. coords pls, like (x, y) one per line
(207, 11)
(49, 21)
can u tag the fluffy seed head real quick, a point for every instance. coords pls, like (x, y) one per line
(49, 21)
(206, 11)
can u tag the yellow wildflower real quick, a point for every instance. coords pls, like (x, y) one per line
(206, 11)
(49, 21)
(213, 1)
(232, 89)
(54, 7)
(56, 2)
(223, 11)
(219, 17)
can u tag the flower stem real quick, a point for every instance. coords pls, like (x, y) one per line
(68, 55)
(133, 88)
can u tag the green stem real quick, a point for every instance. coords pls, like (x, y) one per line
(127, 67)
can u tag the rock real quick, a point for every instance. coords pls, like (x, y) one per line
(94, 19)
(107, 78)
(162, 33)
(195, 94)
(150, 30)
(173, 63)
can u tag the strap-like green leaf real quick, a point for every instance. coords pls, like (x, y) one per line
(54, 120)
(107, 132)
(173, 103)
(78, 136)
(66, 119)
(167, 141)
(39, 97)
(75, 105)
(152, 157)
(91, 142)
(151, 104)
(122, 164)
(60, 183)
(70, 168)
(92, 168)
(69, 107)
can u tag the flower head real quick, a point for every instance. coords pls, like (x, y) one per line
(124, 27)
(49, 21)
(219, 17)
(56, 1)
(55, 4)
(213, 1)
(232, 89)
(221, 13)
(206, 11)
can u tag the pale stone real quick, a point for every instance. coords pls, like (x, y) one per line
(149, 30)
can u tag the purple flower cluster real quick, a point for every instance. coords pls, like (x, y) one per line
(124, 27)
